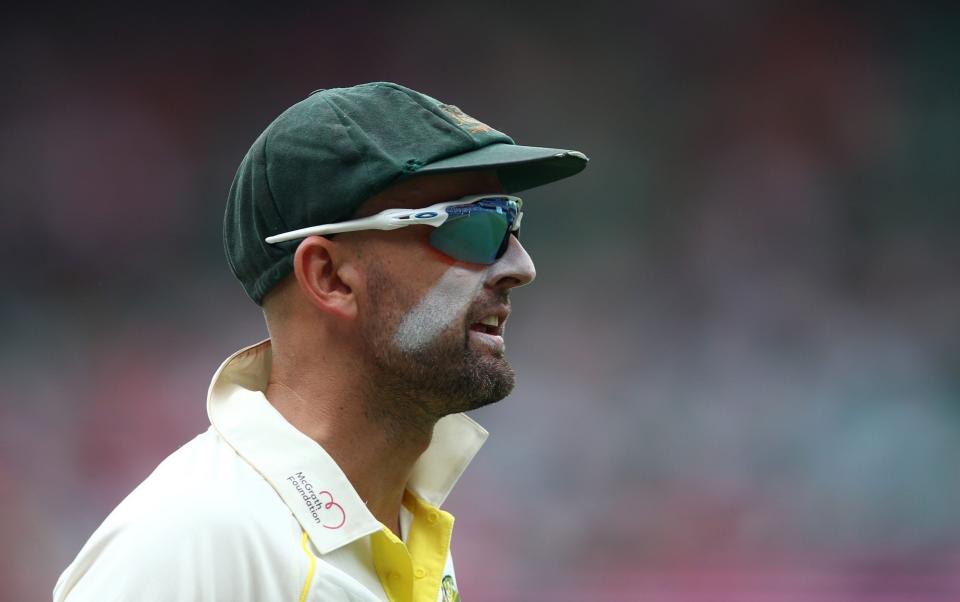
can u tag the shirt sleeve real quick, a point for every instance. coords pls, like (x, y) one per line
(187, 552)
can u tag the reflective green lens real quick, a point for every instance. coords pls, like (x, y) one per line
(476, 237)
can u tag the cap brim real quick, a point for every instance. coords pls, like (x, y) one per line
(518, 167)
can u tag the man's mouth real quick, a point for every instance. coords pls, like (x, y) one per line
(489, 325)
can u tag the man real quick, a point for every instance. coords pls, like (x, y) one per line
(376, 228)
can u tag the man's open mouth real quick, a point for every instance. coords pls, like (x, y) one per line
(489, 325)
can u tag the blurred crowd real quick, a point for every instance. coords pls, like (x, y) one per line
(737, 370)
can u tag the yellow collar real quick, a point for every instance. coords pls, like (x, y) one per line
(307, 479)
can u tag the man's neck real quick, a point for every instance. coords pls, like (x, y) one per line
(376, 457)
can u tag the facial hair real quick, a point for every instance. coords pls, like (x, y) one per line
(433, 370)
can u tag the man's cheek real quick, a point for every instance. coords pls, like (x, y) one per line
(443, 306)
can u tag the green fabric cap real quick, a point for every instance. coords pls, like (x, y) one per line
(327, 154)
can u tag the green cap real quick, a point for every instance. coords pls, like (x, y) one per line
(327, 154)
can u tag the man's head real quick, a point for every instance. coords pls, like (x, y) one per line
(422, 326)
(426, 329)
(331, 152)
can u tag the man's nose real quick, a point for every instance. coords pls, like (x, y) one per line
(514, 269)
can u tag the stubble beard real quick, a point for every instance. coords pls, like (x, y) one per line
(444, 377)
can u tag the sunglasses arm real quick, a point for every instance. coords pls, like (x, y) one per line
(391, 219)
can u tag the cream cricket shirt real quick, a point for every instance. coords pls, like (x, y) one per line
(254, 510)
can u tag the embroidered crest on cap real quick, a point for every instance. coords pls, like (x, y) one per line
(465, 121)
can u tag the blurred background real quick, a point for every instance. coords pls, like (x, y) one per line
(737, 370)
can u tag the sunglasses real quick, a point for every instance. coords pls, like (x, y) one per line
(474, 229)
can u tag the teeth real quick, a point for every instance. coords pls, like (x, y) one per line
(491, 321)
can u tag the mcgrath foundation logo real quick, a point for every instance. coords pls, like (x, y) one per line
(465, 121)
(325, 511)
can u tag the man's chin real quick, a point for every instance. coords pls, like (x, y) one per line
(492, 379)
(448, 377)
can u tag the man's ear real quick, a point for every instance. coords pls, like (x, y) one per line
(327, 282)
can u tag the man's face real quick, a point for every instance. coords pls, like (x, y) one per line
(422, 312)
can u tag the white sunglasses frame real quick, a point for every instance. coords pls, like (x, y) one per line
(391, 219)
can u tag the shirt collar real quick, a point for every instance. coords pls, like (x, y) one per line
(303, 474)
